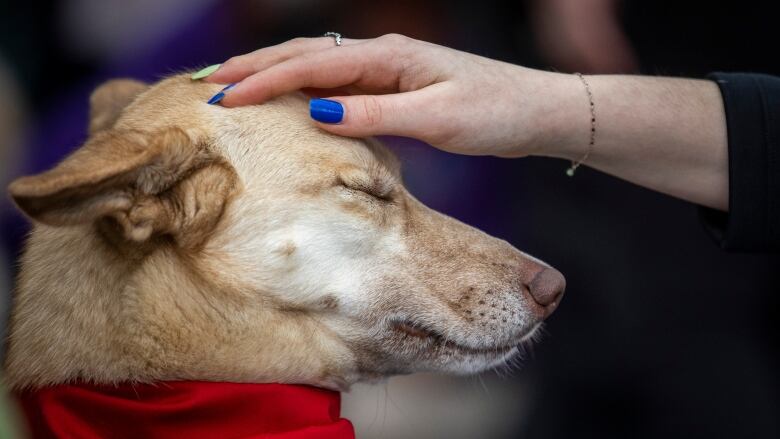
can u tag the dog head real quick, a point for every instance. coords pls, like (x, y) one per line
(191, 241)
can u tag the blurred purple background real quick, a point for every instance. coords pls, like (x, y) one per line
(660, 335)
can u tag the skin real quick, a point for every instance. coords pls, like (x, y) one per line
(666, 134)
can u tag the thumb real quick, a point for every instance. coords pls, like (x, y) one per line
(371, 115)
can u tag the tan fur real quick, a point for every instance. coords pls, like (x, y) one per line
(188, 241)
(108, 101)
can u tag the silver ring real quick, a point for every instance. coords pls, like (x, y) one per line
(336, 36)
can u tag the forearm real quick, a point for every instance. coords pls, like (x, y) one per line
(666, 134)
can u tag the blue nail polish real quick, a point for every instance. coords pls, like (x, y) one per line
(218, 97)
(326, 111)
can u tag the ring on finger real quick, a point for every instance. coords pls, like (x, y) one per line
(336, 36)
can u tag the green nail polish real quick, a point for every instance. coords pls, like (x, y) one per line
(202, 73)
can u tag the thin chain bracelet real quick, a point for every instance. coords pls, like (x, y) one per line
(592, 141)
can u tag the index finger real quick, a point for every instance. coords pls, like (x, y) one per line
(366, 65)
(239, 67)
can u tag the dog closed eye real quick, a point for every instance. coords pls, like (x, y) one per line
(370, 190)
(377, 184)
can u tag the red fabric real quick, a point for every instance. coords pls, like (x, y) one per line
(185, 409)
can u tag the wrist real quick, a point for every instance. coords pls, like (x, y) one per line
(563, 117)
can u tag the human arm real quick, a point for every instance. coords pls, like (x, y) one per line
(663, 133)
(666, 134)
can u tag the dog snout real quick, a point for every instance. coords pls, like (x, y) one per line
(546, 288)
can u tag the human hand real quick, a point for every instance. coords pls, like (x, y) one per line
(394, 85)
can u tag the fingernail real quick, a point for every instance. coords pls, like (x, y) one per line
(218, 97)
(202, 73)
(326, 111)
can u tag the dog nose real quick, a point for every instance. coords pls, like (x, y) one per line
(547, 288)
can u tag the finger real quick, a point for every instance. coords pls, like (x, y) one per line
(239, 67)
(364, 65)
(402, 114)
(326, 92)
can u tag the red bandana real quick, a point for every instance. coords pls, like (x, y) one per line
(185, 409)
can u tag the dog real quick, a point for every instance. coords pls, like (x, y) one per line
(191, 242)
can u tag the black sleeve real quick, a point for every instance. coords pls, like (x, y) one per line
(752, 104)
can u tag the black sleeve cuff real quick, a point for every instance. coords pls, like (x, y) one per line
(752, 105)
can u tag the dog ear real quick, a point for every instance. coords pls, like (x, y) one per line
(158, 183)
(108, 101)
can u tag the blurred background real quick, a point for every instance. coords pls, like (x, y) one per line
(661, 333)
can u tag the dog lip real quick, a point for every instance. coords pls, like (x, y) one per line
(418, 331)
(413, 330)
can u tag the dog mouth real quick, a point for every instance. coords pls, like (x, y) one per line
(417, 332)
